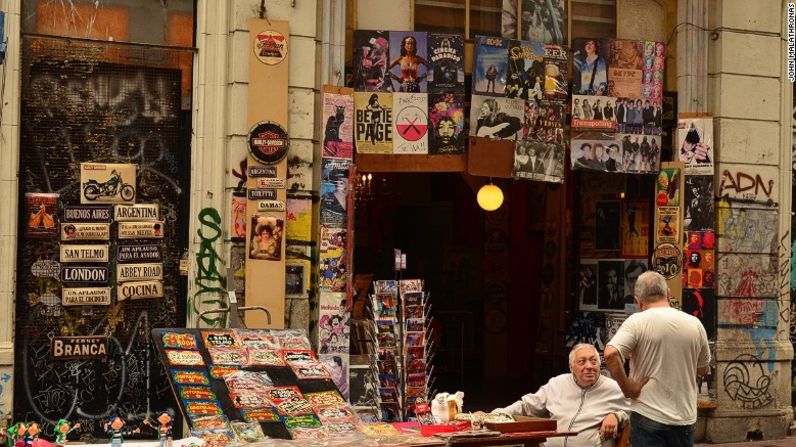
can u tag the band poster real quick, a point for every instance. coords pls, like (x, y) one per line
(490, 66)
(371, 53)
(410, 131)
(526, 70)
(493, 117)
(338, 131)
(535, 160)
(540, 21)
(446, 117)
(374, 122)
(695, 143)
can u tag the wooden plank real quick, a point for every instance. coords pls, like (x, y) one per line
(410, 163)
(490, 158)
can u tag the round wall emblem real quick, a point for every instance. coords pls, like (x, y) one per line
(667, 260)
(270, 47)
(268, 142)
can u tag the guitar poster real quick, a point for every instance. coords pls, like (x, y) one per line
(410, 127)
(493, 117)
(338, 131)
(374, 116)
(490, 65)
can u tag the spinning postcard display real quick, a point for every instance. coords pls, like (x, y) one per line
(247, 384)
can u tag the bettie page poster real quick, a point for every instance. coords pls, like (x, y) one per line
(374, 117)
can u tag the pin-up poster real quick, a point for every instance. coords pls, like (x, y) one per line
(410, 131)
(635, 228)
(238, 218)
(446, 55)
(266, 237)
(526, 70)
(446, 117)
(374, 116)
(371, 57)
(625, 68)
(338, 130)
(695, 143)
(556, 70)
(409, 66)
(499, 118)
(490, 66)
(654, 61)
(594, 113)
(590, 66)
(42, 210)
(667, 187)
(107, 183)
(333, 326)
(334, 192)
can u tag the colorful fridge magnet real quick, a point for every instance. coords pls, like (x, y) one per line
(249, 400)
(310, 372)
(220, 339)
(224, 356)
(296, 406)
(324, 398)
(202, 407)
(265, 357)
(179, 340)
(259, 414)
(190, 377)
(247, 432)
(184, 358)
(306, 421)
(219, 422)
(194, 392)
(220, 371)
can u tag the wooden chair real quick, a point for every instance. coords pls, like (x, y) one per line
(624, 437)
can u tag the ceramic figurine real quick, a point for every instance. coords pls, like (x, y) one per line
(14, 433)
(164, 428)
(30, 435)
(115, 428)
(61, 429)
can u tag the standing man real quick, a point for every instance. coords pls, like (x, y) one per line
(669, 349)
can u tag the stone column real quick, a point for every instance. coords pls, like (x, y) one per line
(749, 97)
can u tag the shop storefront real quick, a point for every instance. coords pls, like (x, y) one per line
(452, 202)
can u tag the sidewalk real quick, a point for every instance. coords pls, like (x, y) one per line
(787, 442)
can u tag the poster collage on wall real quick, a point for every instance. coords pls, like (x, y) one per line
(519, 94)
(335, 211)
(409, 92)
(617, 105)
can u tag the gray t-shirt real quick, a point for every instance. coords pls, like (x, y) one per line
(666, 345)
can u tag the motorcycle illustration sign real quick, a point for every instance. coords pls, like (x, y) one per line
(107, 183)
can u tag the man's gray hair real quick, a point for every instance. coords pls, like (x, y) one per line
(651, 287)
(578, 347)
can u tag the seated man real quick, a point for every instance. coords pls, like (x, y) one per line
(584, 401)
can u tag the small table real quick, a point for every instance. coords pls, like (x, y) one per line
(526, 439)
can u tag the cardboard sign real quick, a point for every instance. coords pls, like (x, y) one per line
(262, 194)
(84, 274)
(85, 231)
(141, 211)
(262, 171)
(139, 272)
(82, 213)
(140, 289)
(79, 347)
(86, 296)
(141, 230)
(84, 253)
(107, 183)
(134, 253)
(271, 183)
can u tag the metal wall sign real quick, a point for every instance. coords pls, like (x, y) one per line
(138, 253)
(141, 230)
(262, 171)
(262, 194)
(80, 347)
(139, 289)
(86, 296)
(271, 183)
(71, 274)
(139, 272)
(270, 205)
(107, 183)
(85, 213)
(268, 142)
(140, 211)
(84, 253)
(85, 231)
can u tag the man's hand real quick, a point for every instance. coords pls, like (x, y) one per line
(608, 429)
(632, 388)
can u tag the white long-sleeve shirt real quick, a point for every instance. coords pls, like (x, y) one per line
(574, 408)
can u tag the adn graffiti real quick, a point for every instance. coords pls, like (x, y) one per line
(210, 282)
(740, 185)
(747, 383)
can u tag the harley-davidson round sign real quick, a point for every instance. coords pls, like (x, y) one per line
(268, 142)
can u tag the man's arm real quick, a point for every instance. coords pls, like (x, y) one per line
(532, 404)
(614, 362)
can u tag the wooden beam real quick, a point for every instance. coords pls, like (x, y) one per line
(410, 163)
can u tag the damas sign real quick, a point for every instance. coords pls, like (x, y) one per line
(86, 296)
(141, 230)
(85, 231)
(84, 253)
(84, 274)
(139, 272)
(140, 289)
(141, 211)
(63, 348)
